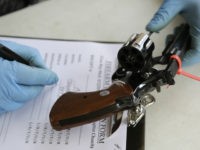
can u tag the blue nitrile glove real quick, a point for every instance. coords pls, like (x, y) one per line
(20, 83)
(190, 10)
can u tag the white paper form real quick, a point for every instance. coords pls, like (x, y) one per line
(81, 66)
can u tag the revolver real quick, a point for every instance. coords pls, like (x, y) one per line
(133, 81)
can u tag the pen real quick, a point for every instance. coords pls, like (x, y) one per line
(8, 54)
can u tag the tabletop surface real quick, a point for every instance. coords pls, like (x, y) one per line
(173, 121)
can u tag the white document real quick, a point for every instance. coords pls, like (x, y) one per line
(81, 66)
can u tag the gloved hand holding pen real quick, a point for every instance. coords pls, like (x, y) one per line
(190, 10)
(19, 82)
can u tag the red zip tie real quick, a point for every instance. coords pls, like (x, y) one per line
(181, 71)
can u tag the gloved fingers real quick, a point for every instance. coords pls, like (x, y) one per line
(1, 110)
(26, 93)
(18, 96)
(28, 75)
(195, 35)
(28, 53)
(9, 106)
(167, 11)
(191, 57)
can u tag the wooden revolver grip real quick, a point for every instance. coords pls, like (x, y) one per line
(73, 109)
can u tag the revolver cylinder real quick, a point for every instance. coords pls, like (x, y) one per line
(136, 52)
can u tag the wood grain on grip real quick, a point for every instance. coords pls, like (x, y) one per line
(74, 109)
